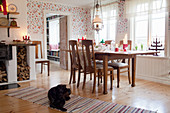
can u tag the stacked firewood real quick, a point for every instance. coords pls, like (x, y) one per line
(3, 72)
(23, 70)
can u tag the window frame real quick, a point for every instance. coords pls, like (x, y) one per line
(149, 31)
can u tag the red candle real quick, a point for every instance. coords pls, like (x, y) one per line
(28, 37)
(116, 49)
(23, 38)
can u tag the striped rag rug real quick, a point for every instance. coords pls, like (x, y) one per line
(76, 104)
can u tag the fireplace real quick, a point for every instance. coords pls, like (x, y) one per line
(5, 54)
(17, 62)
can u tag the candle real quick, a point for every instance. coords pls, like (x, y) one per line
(116, 46)
(85, 37)
(125, 39)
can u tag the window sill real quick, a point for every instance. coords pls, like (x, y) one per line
(151, 56)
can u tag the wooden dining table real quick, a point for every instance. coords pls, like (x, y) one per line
(111, 55)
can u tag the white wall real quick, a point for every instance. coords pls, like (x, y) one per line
(153, 68)
(21, 21)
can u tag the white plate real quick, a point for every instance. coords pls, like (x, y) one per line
(4, 21)
(12, 8)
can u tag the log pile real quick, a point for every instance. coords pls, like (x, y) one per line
(3, 73)
(23, 70)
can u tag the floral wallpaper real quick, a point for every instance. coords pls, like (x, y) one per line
(123, 22)
(81, 18)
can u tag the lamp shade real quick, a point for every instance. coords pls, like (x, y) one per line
(97, 19)
(97, 23)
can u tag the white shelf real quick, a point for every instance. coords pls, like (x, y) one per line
(55, 50)
(53, 56)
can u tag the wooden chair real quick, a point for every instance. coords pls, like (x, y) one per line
(129, 43)
(118, 66)
(41, 60)
(90, 63)
(108, 42)
(75, 61)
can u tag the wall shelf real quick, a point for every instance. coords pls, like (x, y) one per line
(14, 13)
(8, 27)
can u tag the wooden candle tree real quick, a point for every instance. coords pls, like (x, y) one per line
(156, 44)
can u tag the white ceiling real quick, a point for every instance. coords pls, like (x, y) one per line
(78, 3)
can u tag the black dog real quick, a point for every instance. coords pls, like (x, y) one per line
(58, 95)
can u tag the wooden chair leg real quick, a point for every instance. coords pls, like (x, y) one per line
(74, 75)
(42, 68)
(129, 75)
(113, 75)
(98, 78)
(48, 68)
(78, 79)
(71, 74)
(90, 76)
(94, 83)
(118, 77)
(101, 77)
(84, 79)
(111, 80)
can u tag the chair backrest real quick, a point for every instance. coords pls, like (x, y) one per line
(36, 48)
(74, 54)
(129, 43)
(88, 55)
(108, 42)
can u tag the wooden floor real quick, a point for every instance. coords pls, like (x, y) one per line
(146, 94)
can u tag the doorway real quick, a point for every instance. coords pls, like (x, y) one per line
(57, 39)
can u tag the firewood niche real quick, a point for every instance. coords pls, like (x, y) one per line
(23, 70)
(3, 72)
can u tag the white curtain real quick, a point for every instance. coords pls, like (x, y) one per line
(110, 11)
(110, 14)
(142, 7)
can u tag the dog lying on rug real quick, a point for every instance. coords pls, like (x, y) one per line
(58, 95)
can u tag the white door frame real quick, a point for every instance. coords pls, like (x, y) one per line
(69, 29)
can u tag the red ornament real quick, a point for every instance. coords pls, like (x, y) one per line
(4, 6)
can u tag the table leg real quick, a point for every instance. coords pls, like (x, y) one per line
(105, 69)
(133, 70)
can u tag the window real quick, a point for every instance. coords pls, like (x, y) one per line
(148, 25)
(110, 22)
(141, 30)
(54, 38)
(158, 27)
(148, 28)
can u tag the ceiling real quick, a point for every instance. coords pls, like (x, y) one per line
(78, 3)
